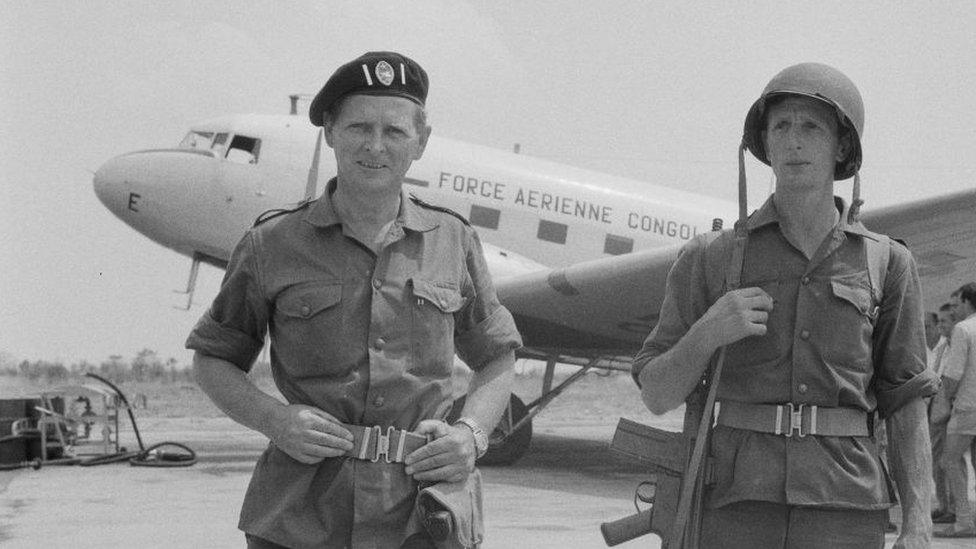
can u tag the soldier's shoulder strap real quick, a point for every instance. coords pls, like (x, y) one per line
(877, 248)
(277, 212)
(416, 200)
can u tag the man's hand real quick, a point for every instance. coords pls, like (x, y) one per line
(913, 540)
(448, 457)
(308, 434)
(736, 315)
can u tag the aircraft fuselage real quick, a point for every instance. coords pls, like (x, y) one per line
(200, 197)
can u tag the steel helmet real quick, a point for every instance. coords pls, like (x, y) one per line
(820, 82)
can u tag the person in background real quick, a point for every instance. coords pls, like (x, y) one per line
(959, 378)
(939, 409)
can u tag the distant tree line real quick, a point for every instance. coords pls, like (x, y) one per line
(145, 366)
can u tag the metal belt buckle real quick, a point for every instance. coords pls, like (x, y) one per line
(382, 443)
(796, 420)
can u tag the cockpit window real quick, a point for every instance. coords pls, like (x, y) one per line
(244, 150)
(197, 140)
(220, 144)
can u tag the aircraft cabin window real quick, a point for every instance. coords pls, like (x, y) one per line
(197, 140)
(617, 245)
(244, 149)
(220, 145)
(552, 232)
(484, 217)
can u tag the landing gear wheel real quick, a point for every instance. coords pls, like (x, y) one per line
(504, 446)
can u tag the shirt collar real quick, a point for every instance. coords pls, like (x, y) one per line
(411, 216)
(768, 214)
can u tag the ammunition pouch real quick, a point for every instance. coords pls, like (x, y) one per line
(451, 513)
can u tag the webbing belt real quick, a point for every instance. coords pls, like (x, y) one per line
(794, 419)
(373, 443)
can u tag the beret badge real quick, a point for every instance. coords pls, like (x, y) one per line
(384, 73)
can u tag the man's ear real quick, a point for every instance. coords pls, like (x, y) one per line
(844, 146)
(327, 132)
(422, 137)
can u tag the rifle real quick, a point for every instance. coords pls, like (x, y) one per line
(676, 508)
(677, 460)
(665, 453)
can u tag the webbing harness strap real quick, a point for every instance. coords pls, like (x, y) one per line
(878, 254)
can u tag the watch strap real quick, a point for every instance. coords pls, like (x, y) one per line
(480, 437)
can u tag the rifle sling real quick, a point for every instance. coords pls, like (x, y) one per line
(692, 481)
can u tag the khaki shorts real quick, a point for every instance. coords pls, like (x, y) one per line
(962, 422)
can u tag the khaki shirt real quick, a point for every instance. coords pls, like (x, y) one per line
(827, 343)
(367, 338)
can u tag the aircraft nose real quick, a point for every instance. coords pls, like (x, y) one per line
(110, 184)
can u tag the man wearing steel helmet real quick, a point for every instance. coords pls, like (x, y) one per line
(366, 294)
(823, 330)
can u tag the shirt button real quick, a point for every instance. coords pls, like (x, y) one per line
(804, 335)
(802, 388)
(378, 401)
(305, 310)
(805, 280)
(380, 343)
(377, 283)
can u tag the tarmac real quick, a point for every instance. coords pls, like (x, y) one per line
(555, 496)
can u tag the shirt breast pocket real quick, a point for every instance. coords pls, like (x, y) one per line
(308, 332)
(432, 325)
(850, 321)
(857, 296)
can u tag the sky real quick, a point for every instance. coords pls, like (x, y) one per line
(655, 91)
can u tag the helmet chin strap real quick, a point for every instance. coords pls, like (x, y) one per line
(743, 213)
(855, 200)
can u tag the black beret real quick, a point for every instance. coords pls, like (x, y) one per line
(373, 73)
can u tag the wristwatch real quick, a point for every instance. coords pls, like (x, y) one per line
(480, 437)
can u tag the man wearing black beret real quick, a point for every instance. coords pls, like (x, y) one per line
(367, 295)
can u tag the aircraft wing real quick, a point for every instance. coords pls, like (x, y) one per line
(607, 306)
(941, 233)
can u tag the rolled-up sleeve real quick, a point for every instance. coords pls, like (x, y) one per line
(234, 326)
(901, 374)
(484, 328)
